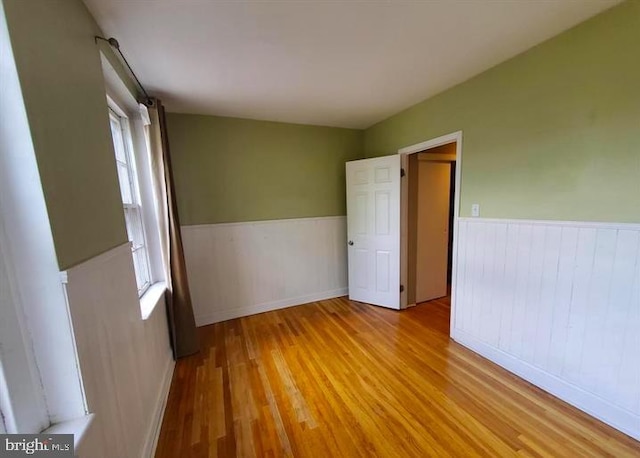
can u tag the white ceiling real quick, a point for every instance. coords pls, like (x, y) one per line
(334, 63)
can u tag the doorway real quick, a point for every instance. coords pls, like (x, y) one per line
(430, 218)
(429, 205)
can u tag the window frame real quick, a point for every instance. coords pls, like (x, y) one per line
(137, 205)
(121, 100)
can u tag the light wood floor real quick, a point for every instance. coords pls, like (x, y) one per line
(343, 379)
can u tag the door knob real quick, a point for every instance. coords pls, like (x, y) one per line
(350, 242)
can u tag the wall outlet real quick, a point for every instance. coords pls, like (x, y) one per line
(475, 210)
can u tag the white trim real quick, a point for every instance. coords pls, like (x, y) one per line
(79, 427)
(116, 87)
(433, 143)
(619, 418)
(151, 442)
(150, 218)
(535, 222)
(114, 107)
(265, 221)
(65, 280)
(151, 298)
(229, 314)
(96, 262)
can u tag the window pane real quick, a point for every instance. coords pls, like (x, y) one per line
(134, 226)
(141, 268)
(118, 141)
(128, 220)
(125, 183)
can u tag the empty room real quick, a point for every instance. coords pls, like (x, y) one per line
(319, 228)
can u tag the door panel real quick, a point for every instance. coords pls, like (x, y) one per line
(360, 268)
(373, 220)
(382, 212)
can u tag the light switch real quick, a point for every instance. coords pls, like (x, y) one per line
(475, 210)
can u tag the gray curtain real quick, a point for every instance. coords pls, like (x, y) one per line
(182, 327)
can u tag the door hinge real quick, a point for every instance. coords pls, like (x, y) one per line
(401, 173)
(402, 288)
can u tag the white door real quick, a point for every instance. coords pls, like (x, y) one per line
(373, 230)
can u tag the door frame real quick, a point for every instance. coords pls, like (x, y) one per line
(404, 211)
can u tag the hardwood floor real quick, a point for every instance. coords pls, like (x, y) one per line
(344, 379)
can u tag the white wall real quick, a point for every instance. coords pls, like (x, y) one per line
(126, 362)
(239, 269)
(558, 303)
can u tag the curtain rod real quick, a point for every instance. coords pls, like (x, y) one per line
(114, 44)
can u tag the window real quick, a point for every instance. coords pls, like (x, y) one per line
(130, 192)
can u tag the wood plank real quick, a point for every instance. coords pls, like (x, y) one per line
(341, 378)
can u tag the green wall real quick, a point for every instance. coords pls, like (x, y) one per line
(61, 77)
(550, 134)
(553, 133)
(230, 169)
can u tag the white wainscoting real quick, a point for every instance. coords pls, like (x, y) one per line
(239, 269)
(125, 361)
(557, 303)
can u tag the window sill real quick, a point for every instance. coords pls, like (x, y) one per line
(78, 427)
(151, 298)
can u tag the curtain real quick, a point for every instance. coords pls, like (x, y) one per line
(182, 327)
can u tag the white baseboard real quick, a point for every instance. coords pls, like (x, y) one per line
(619, 418)
(229, 314)
(151, 442)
